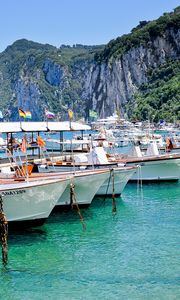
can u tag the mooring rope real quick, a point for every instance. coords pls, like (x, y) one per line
(138, 176)
(75, 203)
(3, 233)
(139, 182)
(107, 188)
(113, 194)
(111, 175)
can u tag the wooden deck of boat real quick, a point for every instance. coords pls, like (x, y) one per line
(48, 176)
(160, 157)
(34, 177)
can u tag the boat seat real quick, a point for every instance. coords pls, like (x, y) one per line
(136, 151)
(80, 158)
(97, 156)
(152, 149)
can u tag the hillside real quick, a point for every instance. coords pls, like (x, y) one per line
(159, 98)
(141, 71)
(35, 76)
(138, 74)
(141, 35)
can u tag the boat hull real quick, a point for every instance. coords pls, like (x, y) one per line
(31, 201)
(85, 187)
(157, 170)
(121, 177)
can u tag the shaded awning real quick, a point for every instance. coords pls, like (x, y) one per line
(65, 126)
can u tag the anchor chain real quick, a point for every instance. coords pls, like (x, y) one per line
(75, 203)
(3, 233)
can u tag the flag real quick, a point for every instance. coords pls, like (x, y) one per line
(23, 145)
(70, 113)
(22, 113)
(40, 141)
(49, 114)
(28, 115)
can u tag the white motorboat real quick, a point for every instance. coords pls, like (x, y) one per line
(114, 182)
(86, 184)
(31, 202)
(96, 160)
(162, 168)
(117, 180)
(152, 166)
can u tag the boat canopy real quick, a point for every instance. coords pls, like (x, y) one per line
(66, 126)
(12, 127)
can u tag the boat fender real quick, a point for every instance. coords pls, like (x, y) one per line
(83, 167)
(121, 164)
(44, 166)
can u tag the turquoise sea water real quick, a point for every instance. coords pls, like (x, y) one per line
(131, 255)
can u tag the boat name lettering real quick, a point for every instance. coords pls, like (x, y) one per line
(11, 193)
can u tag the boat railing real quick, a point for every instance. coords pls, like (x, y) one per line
(47, 159)
(16, 163)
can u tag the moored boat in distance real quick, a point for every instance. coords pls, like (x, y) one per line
(164, 168)
(152, 166)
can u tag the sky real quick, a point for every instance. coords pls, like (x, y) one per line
(87, 22)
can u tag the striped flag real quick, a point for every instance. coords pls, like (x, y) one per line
(22, 113)
(25, 114)
(49, 114)
(28, 115)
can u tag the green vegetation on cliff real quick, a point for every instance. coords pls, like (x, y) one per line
(140, 35)
(159, 98)
(62, 78)
(26, 59)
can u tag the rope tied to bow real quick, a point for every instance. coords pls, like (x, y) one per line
(74, 202)
(111, 177)
(113, 193)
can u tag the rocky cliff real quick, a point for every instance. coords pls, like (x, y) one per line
(113, 85)
(103, 78)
